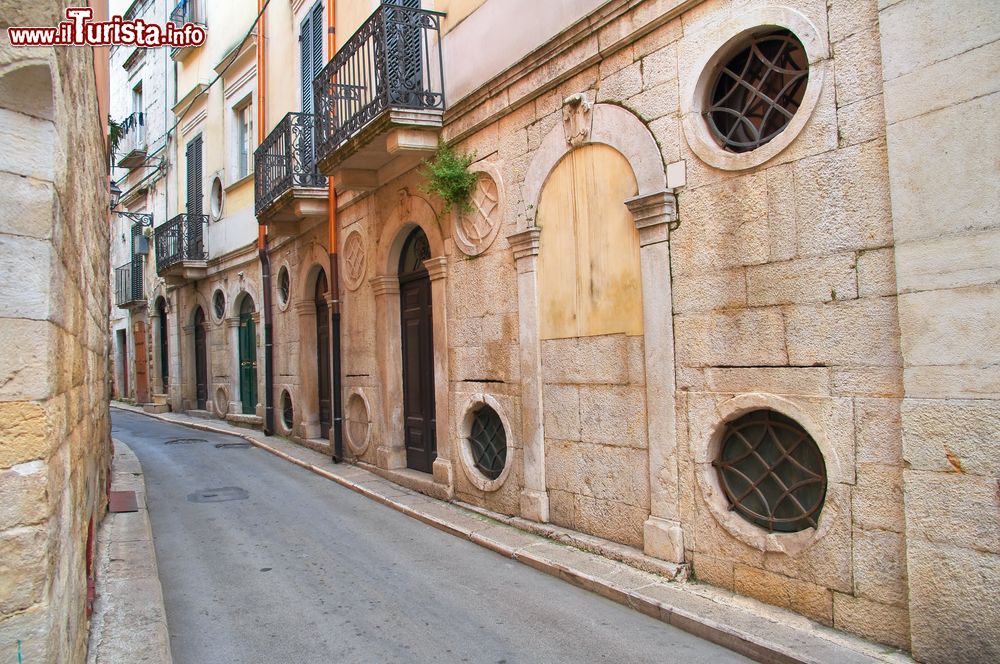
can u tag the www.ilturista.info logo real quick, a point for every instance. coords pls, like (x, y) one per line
(79, 30)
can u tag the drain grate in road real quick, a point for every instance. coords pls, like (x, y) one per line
(232, 446)
(219, 495)
(184, 441)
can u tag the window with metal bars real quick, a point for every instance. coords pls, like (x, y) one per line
(757, 91)
(488, 442)
(772, 472)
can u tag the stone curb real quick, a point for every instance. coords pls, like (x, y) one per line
(129, 623)
(747, 627)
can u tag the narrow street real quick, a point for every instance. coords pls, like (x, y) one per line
(263, 561)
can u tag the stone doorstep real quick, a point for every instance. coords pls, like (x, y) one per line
(755, 630)
(129, 623)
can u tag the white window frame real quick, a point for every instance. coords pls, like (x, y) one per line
(243, 111)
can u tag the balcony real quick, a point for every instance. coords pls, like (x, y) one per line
(133, 143)
(128, 284)
(380, 100)
(181, 251)
(186, 11)
(287, 187)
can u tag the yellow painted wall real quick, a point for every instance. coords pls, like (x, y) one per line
(457, 10)
(589, 277)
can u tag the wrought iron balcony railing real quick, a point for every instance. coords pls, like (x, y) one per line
(285, 159)
(181, 239)
(188, 11)
(393, 61)
(128, 283)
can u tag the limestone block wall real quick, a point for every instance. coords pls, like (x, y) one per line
(941, 96)
(54, 298)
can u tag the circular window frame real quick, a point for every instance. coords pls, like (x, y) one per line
(468, 463)
(215, 313)
(730, 37)
(283, 304)
(715, 496)
(286, 393)
(217, 210)
(358, 449)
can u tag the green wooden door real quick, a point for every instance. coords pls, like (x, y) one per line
(248, 359)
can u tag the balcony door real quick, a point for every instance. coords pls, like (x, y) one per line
(248, 358)
(417, 332)
(200, 360)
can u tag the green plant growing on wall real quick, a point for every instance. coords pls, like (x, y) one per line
(115, 136)
(448, 177)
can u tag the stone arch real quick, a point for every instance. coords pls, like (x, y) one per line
(314, 259)
(26, 87)
(198, 300)
(315, 262)
(242, 290)
(398, 228)
(607, 124)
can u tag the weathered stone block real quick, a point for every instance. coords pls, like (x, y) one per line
(878, 431)
(858, 66)
(938, 263)
(27, 296)
(561, 407)
(773, 380)
(611, 520)
(22, 135)
(873, 620)
(953, 509)
(593, 360)
(712, 570)
(880, 566)
(861, 122)
(655, 102)
(878, 498)
(621, 85)
(962, 331)
(659, 67)
(867, 381)
(781, 212)
(599, 471)
(32, 216)
(953, 435)
(805, 598)
(848, 17)
(705, 291)
(24, 433)
(28, 373)
(23, 495)
(23, 567)
(859, 332)
(613, 415)
(821, 279)
(743, 338)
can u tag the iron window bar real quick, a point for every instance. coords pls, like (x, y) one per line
(128, 282)
(393, 61)
(488, 441)
(285, 159)
(181, 239)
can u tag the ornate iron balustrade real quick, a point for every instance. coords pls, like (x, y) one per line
(128, 282)
(187, 11)
(284, 160)
(181, 239)
(393, 61)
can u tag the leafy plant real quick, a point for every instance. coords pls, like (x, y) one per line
(115, 135)
(449, 178)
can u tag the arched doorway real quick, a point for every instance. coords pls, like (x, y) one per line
(417, 335)
(161, 313)
(323, 356)
(200, 360)
(248, 357)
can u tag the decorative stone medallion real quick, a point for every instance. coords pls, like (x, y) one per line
(476, 230)
(355, 260)
(358, 420)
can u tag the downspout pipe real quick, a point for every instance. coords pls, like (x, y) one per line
(262, 245)
(338, 407)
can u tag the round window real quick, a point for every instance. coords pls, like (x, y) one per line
(772, 472)
(217, 198)
(219, 304)
(757, 91)
(284, 285)
(287, 413)
(488, 442)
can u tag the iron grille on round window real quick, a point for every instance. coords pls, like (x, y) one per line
(284, 285)
(287, 413)
(219, 304)
(772, 472)
(489, 442)
(757, 91)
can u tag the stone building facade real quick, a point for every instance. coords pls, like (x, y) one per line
(55, 441)
(640, 284)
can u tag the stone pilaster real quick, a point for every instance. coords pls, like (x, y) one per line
(308, 410)
(443, 468)
(655, 216)
(233, 332)
(534, 496)
(391, 453)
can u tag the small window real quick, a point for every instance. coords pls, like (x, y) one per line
(757, 91)
(217, 198)
(287, 412)
(244, 138)
(488, 442)
(219, 304)
(772, 472)
(284, 285)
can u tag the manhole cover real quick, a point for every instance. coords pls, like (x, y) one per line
(232, 446)
(184, 441)
(219, 495)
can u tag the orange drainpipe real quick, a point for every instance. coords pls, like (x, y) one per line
(338, 433)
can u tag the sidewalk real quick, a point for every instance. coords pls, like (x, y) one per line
(751, 628)
(129, 623)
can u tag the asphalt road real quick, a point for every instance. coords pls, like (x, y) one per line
(263, 561)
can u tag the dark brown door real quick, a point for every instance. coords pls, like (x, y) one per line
(418, 354)
(323, 356)
(141, 377)
(200, 360)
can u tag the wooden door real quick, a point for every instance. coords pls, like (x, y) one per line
(161, 310)
(418, 354)
(323, 357)
(141, 377)
(248, 358)
(200, 360)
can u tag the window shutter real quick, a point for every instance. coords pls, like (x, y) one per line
(317, 40)
(305, 48)
(194, 198)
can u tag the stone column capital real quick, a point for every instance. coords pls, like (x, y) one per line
(525, 244)
(304, 307)
(386, 284)
(437, 267)
(655, 215)
(232, 321)
(188, 329)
